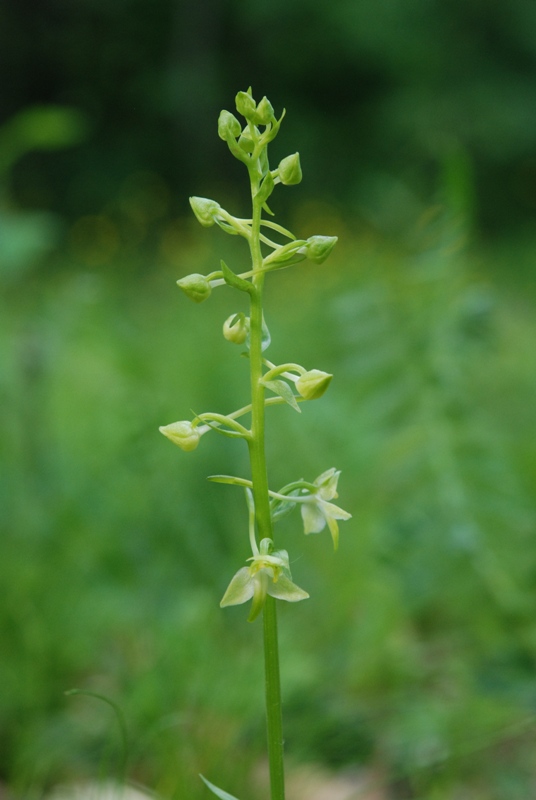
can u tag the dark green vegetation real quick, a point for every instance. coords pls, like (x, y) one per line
(417, 650)
(379, 92)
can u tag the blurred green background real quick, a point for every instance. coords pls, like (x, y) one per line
(415, 657)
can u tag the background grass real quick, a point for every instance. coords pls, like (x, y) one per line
(416, 650)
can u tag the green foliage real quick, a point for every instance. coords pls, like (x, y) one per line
(416, 650)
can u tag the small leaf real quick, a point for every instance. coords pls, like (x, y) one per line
(282, 389)
(227, 228)
(229, 479)
(224, 431)
(233, 280)
(218, 792)
(266, 188)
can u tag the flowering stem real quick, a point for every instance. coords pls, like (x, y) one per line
(273, 700)
(262, 504)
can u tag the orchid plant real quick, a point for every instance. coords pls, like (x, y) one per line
(266, 576)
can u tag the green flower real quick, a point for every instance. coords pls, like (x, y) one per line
(317, 511)
(205, 210)
(195, 286)
(228, 125)
(289, 170)
(236, 328)
(268, 573)
(312, 384)
(318, 248)
(183, 434)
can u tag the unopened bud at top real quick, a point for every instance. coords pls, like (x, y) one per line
(318, 248)
(264, 112)
(228, 125)
(289, 170)
(312, 385)
(245, 105)
(236, 328)
(261, 114)
(195, 286)
(183, 434)
(205, 210)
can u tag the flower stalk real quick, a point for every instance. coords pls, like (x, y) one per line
(266, 578)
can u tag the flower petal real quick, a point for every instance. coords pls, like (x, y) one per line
(284, 589)
(240, 590)
(327, 484)
(333, 511)
(314, 520)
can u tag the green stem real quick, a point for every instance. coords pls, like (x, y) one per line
(273, 700)
(262, 507)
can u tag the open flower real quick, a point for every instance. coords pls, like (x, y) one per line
(268, 573)
(317, 511)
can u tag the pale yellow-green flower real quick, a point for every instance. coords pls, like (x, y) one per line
(268, 573)
(317, 511)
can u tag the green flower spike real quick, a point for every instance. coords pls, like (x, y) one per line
(268, 573)
(183, 434)
(316, 510)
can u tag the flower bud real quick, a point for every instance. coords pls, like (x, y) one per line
(236, 328)
(246, 142)
(318, 248)
(265, 112)
(183, 434)
(205, 210)
(245, 105)
(195, 286)
(289, 170)
(312, 385)
(228, 125)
